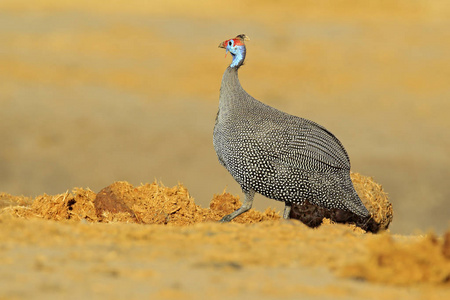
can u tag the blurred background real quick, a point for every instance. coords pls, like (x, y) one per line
(92, 93)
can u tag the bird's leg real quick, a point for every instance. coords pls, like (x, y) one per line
(245, 206)
(287, 210)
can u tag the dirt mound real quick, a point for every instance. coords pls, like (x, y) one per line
(156, 204)
(122, 202)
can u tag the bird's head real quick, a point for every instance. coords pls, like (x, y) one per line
(236, 47)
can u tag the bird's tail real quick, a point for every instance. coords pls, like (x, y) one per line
(354, 203)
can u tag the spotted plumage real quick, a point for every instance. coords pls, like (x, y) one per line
(278, 155)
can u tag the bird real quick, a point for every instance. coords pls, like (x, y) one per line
(276, 154)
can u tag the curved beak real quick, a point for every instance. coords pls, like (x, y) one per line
(224, 45)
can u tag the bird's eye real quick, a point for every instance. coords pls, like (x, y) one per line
(229, 43)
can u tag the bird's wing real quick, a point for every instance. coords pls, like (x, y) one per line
(307, 145)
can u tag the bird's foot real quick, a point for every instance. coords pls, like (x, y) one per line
(226, 219)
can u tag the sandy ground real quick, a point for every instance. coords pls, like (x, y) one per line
(94, 93)
(209, 260)
(155, 242)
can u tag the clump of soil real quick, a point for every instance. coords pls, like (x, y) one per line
(147, 204)
(372, 196)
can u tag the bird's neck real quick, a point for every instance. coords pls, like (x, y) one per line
(238, 57)
(230, 79)
(232, 95)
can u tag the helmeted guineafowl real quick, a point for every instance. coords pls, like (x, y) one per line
(280, 156)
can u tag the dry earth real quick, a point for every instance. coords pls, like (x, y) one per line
(154, 241)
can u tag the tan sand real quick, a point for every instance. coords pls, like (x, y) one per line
(155, 241)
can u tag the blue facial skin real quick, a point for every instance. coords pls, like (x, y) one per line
(238, 53)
